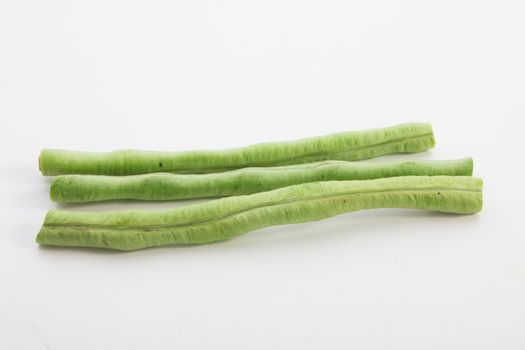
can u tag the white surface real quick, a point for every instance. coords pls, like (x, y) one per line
(104, 75)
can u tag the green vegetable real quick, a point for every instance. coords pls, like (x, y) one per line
(167, 186)
(229, 217)
(354, 145)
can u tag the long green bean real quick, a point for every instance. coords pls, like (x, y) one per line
(167, 186)
(356, 145)
(229, 217)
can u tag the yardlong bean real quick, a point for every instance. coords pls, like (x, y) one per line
(167, 186)
(229, 217)
(354, 145)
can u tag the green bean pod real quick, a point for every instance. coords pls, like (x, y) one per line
(167, 186)
(229, 217)
(355, 145)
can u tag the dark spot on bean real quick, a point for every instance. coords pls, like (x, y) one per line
(160, 164)
(439, 192)
(344, 200)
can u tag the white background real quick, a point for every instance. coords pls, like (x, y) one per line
(176, 75)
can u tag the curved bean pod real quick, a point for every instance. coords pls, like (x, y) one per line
(356, 145)
(229, 217)
(167, 186)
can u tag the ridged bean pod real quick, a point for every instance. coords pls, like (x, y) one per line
(229, 217)
(356, 145)
(167, 186)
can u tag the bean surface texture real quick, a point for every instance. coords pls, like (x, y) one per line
(229, 217)
(354, 145)
(167, 186)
